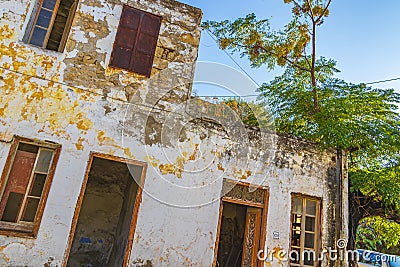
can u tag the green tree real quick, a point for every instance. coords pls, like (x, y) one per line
(297, 41)
(309, 101)
(376, 233)
(251, 113)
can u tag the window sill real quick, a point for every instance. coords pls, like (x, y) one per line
(17, 229)
(41, 50)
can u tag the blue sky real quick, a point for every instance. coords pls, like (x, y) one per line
(363, 36)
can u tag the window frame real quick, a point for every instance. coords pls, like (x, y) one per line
(33, 21)
(79, 202)
(303, 231)
(26, 229)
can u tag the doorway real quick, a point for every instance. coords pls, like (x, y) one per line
(242, 227)
(106, 213)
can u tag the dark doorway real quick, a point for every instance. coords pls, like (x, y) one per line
(103, 228)
(231, 235)
(242, 226)
(239, 235)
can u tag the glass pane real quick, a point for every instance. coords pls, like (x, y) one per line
(44, 18)
(297, 205)
(295, 255)
(296, 224)
(38, 36)
(311, 207)
(310, 224)
(31, 208)
(28, 148)
(49, 4)
(44, 160)
(309, 257)
(38, 184)
(309, 241)
(295, 238)
(12, 207)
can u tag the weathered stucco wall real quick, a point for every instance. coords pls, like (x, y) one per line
(75, 99)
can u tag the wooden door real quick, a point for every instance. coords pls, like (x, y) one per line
(251, 244)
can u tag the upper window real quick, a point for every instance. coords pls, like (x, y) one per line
(50, 23)
(136, 41)
(25, 184)
(305, 231)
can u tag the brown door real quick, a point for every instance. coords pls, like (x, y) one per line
(251, 237)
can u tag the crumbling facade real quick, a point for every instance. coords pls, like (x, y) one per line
(107, 161)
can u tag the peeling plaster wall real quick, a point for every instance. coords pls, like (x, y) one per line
(75, 99)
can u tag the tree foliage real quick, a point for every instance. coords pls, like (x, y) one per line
(353, 117)
(309, 101)
(295, 42)
(378, 234)
(350, 115)
(251, 113)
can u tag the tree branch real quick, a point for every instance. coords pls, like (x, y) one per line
(306, 58)
(311, 14)
(325, 9)
(299, 6)
(291, 62)
(370, 207)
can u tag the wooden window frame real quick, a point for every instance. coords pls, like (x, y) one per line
(114, 63)
(264, 214)
(26, 229)
(34, 18)
(68, 26)
(317, 231)
(82, 194)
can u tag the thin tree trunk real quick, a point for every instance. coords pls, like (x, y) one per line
(354, 218)
(313, 60)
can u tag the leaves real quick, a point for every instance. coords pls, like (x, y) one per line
(251, 113)
(350, 117)
(379, 180)
(255, 39)
(377, 234)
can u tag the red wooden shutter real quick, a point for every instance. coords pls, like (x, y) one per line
(136, 41)
(19, 177)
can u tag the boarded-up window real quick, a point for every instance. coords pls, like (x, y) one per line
(136, 41)
(25, 183)
(305, 236)
(50, 23)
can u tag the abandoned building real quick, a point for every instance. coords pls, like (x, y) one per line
(96, 173)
